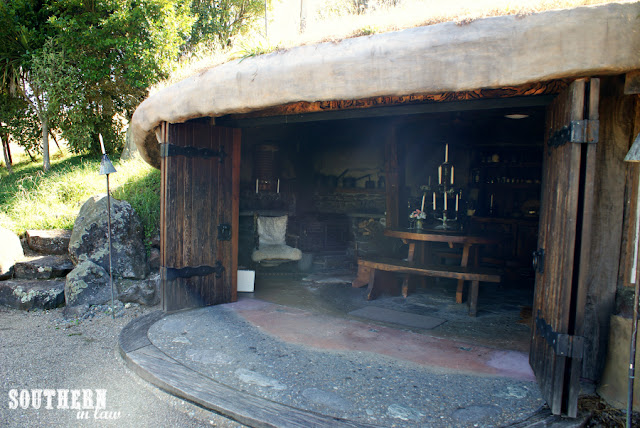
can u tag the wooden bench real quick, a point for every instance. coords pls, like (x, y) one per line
(378, 273)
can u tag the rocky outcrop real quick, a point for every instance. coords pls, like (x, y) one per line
(32, 294)
(43, 267)
(89, 238)
(10, 251)
(144, 292)
(87, 284)
(49, 241)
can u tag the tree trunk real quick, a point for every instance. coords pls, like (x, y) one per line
(45, 144)
(5, 152)
(8, 147)
(55, 140)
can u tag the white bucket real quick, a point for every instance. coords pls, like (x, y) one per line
(246, 280)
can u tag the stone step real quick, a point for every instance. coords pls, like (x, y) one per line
(49, 241)
(32, 294)
(42, 267)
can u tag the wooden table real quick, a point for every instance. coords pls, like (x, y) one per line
(451, 237)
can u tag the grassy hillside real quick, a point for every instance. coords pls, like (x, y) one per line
(30, 199)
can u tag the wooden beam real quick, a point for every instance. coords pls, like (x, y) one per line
(395, 180)
(399, 110)
(632, 83)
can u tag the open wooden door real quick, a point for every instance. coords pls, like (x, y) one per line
(561, 260)
(200, 166)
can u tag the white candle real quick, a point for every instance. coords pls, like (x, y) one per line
(256, 185)
(440, 175)
(101, 144)
(451, 174)
(456, 202)
(278, 191)
(445, 200)
(422, 206)
(446, 153)
(434, 201)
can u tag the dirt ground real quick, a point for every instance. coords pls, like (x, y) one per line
(40, 350)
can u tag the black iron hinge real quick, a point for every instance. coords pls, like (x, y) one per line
(187, 272)
(578, 131)
(564, 345)
(167, 150)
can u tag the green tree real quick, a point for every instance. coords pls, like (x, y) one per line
(218, 21)
(104, 56)
(23, 30)
(20, 125)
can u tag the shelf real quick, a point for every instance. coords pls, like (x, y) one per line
(355, 190)
(366, 215)
(506, 220)
(509, 165)
(511, 185)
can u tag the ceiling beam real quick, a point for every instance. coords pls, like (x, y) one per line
(402, 110)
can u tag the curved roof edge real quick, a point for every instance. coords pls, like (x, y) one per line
(447, 57)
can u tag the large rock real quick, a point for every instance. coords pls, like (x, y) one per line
(54, 241)
(27, 295)
(87, 284)
(144, 292)
(43, 267)
(89, 238)
(10, 251)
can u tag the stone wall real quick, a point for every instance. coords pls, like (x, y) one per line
(349, 201)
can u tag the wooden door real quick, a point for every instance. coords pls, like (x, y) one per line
(563, 243)
(200, 166)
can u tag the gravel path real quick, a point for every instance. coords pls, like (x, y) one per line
(41, 350)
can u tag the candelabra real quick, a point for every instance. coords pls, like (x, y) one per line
(446, 189)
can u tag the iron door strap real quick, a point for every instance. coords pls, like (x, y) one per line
(187, 272)
(167, 150)
(578, 131)
(564, 345)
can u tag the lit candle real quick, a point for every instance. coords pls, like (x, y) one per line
(278, 189)
(445, 200)
(451, 174)
(422, 206)
(256, 185)
(456, 202)
(446, 153)
(434, 201)
(440, 174)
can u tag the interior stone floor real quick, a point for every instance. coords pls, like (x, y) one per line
(502, 322)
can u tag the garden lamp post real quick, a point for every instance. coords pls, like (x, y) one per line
(106, 168)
